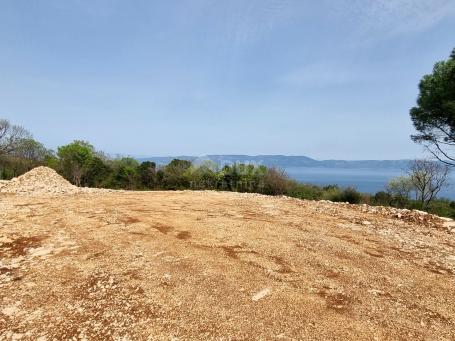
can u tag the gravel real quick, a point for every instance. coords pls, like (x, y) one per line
(43, 181)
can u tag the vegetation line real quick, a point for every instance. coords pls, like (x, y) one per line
(80, 163)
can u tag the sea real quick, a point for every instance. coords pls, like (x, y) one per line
(366, 180)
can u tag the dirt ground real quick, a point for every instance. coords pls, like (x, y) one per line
(210, 265)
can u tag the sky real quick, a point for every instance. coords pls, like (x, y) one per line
(326, 79)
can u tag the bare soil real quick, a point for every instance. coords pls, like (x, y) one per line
(210, 265)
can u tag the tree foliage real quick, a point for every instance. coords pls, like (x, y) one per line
(32, 150)
(175, 174)
(18, 151)
(81, 164)
(399, 190)
(428, 178)
(275, 181)
(147, 174)
(75, 159)
(400, 186)
(98, 172)
(11, 136)
(434, 115)
(125, 173)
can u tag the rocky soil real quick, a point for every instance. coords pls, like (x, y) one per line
(105, 265)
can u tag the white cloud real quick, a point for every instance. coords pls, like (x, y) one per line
(250, 20)
(239, 22)
(387, 18)
(367, 22)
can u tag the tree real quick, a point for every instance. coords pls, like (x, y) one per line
(382, 198)
(428, 178)
(247, 175)
(259, 178)
(125, 173)
(147, 174)
(399, 190)
(174, 174)
(75, 160)
(275, 181)
(31, 150)
(10, 136)
(349, 195)
(230, 177)
(434, 115)
(97, 173)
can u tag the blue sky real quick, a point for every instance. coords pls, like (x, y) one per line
(326, 79)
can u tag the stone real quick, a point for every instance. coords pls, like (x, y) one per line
(261, 294)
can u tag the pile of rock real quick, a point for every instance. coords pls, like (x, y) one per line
(415, 217)
(3, 183)
(40, 180)
(412, 216)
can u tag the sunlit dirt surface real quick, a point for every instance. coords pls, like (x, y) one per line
(207, 265)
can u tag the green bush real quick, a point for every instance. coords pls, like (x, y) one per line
(349, 195)
(275, 182)
(382, 198)
(175, 175)
(442, 207)
(304, 191)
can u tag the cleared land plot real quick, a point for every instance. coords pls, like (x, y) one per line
(208, 265)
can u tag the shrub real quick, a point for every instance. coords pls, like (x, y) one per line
(382, 198)
(124, 173)
(442, 207)
(331, 193)
(147, 174)
(175, 174)
(275, 182)
(349, 195)
(303, 191)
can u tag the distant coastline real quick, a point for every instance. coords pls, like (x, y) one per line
(367, 176)
(283, 161)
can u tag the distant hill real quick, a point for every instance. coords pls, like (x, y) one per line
(283, 161)
(164, 160)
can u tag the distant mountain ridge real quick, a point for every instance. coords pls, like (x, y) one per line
(282, 161)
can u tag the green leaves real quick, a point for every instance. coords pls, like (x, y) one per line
(75, 160)
(434, 115)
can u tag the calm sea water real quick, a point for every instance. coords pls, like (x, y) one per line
(365, 180)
